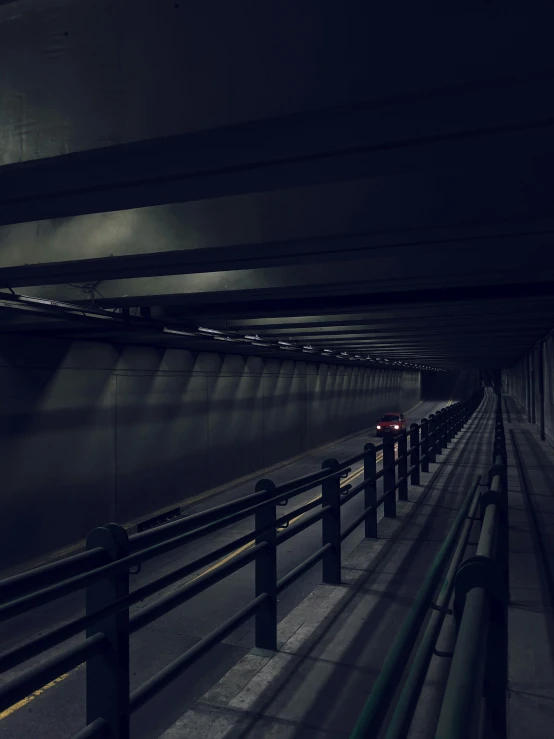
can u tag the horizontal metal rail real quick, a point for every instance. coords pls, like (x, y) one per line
(99, 729)
(20, 585)
(375, 710)
(36, 677)
(303, 567)
(111, 555)
(475, 697)
(195, 587)
(153, 686)
(59, 590)
(145, 539)
(405, 707)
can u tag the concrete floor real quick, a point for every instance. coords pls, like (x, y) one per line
(59, 710)
(531, 609)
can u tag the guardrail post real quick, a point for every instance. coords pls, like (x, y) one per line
(330, 496)
(266, 569)
(414, 456)
(455, 420)
(432, 438)
(107, 674)
(451, 416)
(499, 436)
(439, 424)
(424, 445)
(389, 478)
(370, 490)
(446, 436)
(403, 467)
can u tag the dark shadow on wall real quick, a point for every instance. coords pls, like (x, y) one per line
(92, 435)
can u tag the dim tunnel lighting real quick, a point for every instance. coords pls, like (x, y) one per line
(175, 332)
(284, 343)
(225, 338)
(209, 330)
(252, 338)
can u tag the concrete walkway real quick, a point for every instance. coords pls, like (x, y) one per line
(334, 643)
(531, 613)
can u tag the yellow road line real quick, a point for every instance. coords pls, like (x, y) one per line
(29, 698)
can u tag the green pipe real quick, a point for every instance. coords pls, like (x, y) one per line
(377, 705)
(405, 708)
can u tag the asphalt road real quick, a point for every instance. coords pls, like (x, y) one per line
(58, 711)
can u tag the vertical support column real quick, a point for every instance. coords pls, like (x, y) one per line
(266, 569)
(460, 410)
(424, 445)
(528, 388)
(446, 435)
(330, 497)
(389, 478)
(541, 390)
(370, 490)
(432, 438)
(414, 461)
(533, 388)
(403, 467)
(447, 425)
(107, 674)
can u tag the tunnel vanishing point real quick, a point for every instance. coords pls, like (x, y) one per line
(276, 370)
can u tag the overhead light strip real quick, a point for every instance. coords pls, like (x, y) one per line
(201, 332)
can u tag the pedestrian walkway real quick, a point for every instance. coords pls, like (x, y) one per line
(333, 645)
(531, 609)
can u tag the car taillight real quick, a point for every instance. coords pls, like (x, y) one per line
(397, 427)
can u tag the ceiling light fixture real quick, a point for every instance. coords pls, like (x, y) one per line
(209, 330)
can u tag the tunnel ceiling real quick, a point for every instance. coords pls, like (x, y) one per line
(414, 227)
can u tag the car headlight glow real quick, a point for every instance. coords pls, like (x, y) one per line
(397, 427)
(378, 428)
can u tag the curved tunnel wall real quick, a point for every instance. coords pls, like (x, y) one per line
(92, 432)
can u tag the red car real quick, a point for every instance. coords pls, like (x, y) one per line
(391, 423)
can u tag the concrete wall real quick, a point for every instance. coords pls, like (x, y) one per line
(92, 432)
(531, 383)
(455, 385)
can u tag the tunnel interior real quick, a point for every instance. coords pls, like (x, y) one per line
(232, 237)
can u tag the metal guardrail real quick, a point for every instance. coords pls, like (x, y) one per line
(104, 570)
(474, 703)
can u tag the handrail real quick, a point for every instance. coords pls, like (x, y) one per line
(111, 554)
(374, 711)
(480, 652)
(480, 585)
